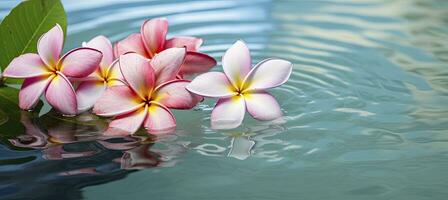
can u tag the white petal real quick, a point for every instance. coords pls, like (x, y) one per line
(268, 73)
(228, 113)
(262, 106)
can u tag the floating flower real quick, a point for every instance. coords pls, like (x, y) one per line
(152, 40)
(107, 74)
(150, 91)
(240, 87)
(47, 71)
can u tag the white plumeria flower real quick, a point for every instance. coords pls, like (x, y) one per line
(240, 87)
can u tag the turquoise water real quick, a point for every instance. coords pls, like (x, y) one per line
(366, 109)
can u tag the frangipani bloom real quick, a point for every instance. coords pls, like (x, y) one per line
(107, 74)
(150, 91)
(240, 87)
(152, 40)
(47, 71)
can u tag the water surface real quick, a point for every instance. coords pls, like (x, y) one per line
(366, 109)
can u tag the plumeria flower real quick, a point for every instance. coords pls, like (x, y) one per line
(107, 75)
(240, 87)
(47, 71)
(150, 91)
(152, 40)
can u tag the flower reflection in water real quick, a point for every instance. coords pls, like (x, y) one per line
(67, 152)
(66, 140)
(241, 145)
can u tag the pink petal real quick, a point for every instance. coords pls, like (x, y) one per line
(159, 119)
(32, 89)
(114, 75)
(80, 62)
(174, 95)
(26, 66)
(95, 76)
(128, 123)
(197, 63)
(50, 45)
(211, 84)
(191, 43)
(138, 73)
(268, 73)
(117, 100)
(228, 113)
(61, 95)
(88, 92)
(102, 44)
(154, 34)
(262, 106)
(167, 64)
(133, 43)
(236, 63)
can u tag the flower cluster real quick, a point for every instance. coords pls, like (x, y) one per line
(139, 79)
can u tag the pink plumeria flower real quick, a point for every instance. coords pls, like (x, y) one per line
(107, 75)
(152, 40)
(146, 99)
(240, 87)
(47, 71)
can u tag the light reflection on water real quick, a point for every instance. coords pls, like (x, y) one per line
(365, 109)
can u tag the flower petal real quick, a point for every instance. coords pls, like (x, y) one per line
(138, 73)
(236, 63)
(228, 113)
(117, 100)
(191, 43)
(128, 123)
(61, 95)
(262, 106)
(88, 92)
(197, 63)
(174, 95)
(154, 34)
(268, 73)
(114, 76)
(80, 62)
(26, 66)
(159, 119)
(167, 64)
(102, 44)
(32, 89)
(50, 45)
(211, 84)
(133, 43)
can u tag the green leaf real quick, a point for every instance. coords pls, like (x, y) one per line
(20, 30)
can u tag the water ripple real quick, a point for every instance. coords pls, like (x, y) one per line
(365, 106)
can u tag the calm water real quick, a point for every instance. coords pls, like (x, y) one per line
(366, 109)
